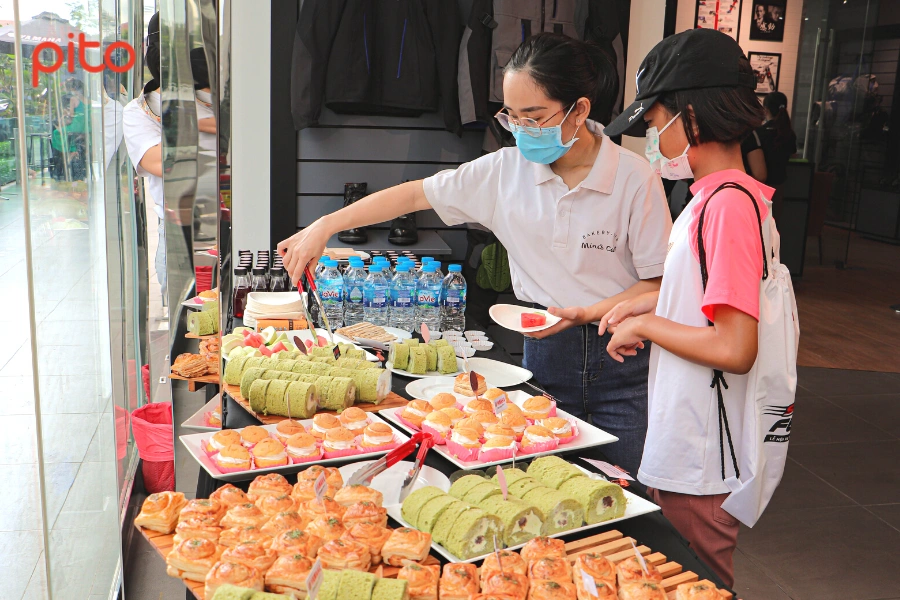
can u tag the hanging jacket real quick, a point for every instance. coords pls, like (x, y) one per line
(378, 57)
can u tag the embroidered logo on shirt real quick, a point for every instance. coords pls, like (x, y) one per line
(609, 244)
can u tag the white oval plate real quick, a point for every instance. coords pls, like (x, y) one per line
(460, 367)
(510, 317)
(499, 374)
(428, 388)
(390, 481)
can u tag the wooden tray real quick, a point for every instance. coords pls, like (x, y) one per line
(195, 383)
(393, 400)
(194, 336)
(162, 543)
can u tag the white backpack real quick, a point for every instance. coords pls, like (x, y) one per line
(758, 464)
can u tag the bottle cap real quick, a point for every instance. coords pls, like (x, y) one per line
(437, 264)
(240, 271)
(455, 268)
(375, 268)
(403, 267)
(259, 270)
(427, 259)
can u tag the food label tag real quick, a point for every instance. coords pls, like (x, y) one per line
(640, 558)
(426, 335)
(337, 353)
(609, 470)
(501, 479)
(314, 580)
(319, 487)
(499, 404)
(589, 584)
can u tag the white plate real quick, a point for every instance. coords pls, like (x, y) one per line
(304, 335)
(510, 317)
(194, 305)
(193, 443)
(390, 481)
(399, 334)
(429, 387)
(198, 421)
(588, 436)
(635, 506)
(460, 367)
(500, 374)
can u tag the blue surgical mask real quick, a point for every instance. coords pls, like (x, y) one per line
(543, 145)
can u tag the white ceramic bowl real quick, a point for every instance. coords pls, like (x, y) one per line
(483, 346)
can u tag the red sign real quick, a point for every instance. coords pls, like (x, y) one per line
(68, 56)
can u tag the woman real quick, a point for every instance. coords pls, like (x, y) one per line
(769, 147)
(702, 318)
(580, 217)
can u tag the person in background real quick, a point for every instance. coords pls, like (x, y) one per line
(768, 148)
(67, 141)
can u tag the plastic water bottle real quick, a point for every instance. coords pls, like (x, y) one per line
(453, 300)
(437, 269)
(375, 297)
(354, 278)
(425, 261)
(386, 269)
(403, 294)
(428, 309)
(331, 291)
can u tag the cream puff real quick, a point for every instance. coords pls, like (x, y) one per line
(438, 421)
(492, 394)
(230, 495)
(513, 409)
(514, 421)
(376, 434)
(269, 453)
(504, 432)
(233, 458)
(285, 429)
(466, 437)
(272, 505)
(463, 385)
(339, 438)
(271, 484)
(470, 423)
(322, 422)
(214, 417)
(455, 415)
(252, 435)
(499, 443)
(223, 438)
(477, 404)
(416, 411)
(486, 418)
(561, 428)
(537, 408)
(301, 445)
(442, 400)
(536, 435)
(355, 419)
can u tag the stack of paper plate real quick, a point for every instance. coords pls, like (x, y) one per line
(273, 305)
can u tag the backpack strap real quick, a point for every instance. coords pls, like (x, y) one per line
(718, 380)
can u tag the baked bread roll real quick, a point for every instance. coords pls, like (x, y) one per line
(643, 590)
(509, 584)
(271, 484)
(405, 544)
(207, 510)
(223, 438)
(345, 554)
(232, 573)
(284, 521)
(463, 386)
(249, 533)
(374, 536)
(459, 581)
(347, 496)
(272, 505)
(326, 528)
(297, 541)
(541, 547)
(285, 429)
(510, 562)
(269, 453)
(229, 496)
(597, 566)
(365, 512)
(550, 589)
(552, 568)
(423, 581)
(196, 528)
(159, 512)
(252, 554)
(326, 507)
(243, 515)
(288, 575)
(697, 590)
(630, 571)
(192, 559)
(442, 400)
(332, 476)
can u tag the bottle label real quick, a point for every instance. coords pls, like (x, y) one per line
(402, 300)
(429, 297)
(455, 296)
(356, 296)
(331, 294)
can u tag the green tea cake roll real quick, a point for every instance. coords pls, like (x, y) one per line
(307, 378)
(438, 343)
(373, 385)
(341, 394)
(231, 592)
(430, 357)
(329, 588)
(314, 368)
(258, 395)
(355, 585)
(275, 397)
(398, 355)
(561, 511)
(285, 364)
(325, 351)
(444, 525)
(553, 471)
(271, 374)
(353, 352)
(446, 360)
(411, 341)
(302, 398)
(601, 500)
(288, 376)
(523, 486)
(389, 589)
(432, 511)
(418, 361)
(252, 363)
(461, 487)
(512, 475)
(202, 323)
(323, 384)
(325, 360)
(247, 379)
(473, 534)
(520, 520)
(233, 370)
(366, 364)
(298, 367)
(416, 500)
(348, 363)
(290, 354)
(482, 492)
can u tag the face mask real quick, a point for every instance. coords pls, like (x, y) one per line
(547, 146)
(668, 168)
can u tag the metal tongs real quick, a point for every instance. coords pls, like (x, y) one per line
(311, 287)
(364, 475)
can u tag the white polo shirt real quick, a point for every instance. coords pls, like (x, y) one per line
(566, 247)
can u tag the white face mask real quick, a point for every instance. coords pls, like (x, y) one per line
(669, 168)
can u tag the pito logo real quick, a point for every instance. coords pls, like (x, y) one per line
(784, 415)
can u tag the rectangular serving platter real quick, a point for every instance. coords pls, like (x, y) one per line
(197, 421)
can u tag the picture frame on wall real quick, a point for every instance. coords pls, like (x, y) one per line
(767, 68)
(722, 15)
(767, 20)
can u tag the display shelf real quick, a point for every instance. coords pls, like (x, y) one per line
(194, 336)
(430, 243)
(195, 383)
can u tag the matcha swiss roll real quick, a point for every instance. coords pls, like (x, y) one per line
(432, 511)
(523, 486)
(373, 385)
(258, 395)
(446, 359)
(601, 500)
(247, 379)
(341, 393)
(418, 361)
(561, 511)
(325, 360)
(461, 487)
(520, 520)
(327, 351)
(288, 376)
(398, 355)
(271, 374)
(438, 343)
(233, 370)
(553, 471)
(302, 397)
(415, 501)
(203, 322)
(512, 475)
(252, 363)
(482, 492)
(444, 525)
(411, 342)
(430, 357)
(275, 394)
(473, 534)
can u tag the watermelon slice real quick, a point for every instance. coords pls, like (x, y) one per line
(253, 341)
(308, 343)
(321, 341)
(265, 350)
(533, 320)
(246, 332)
(278, 347)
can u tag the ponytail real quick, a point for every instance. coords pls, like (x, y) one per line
(776, 104)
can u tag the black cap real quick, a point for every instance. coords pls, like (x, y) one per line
(693, 59)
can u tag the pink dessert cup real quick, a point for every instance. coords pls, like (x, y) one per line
(536, 448)
(492, 454)
(461, 452)
(231, 469)
(574, 434)
(398, 413)
(287, 461)
(329, 454)
(439, 438)
(298, 460)
(382, 448)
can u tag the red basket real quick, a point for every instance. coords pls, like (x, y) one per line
(154, 436)
(158, 476)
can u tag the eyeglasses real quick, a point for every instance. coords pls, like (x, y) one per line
(529, 126)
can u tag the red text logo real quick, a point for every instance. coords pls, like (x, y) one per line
(67, 56)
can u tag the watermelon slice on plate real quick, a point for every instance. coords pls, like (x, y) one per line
(533, 320)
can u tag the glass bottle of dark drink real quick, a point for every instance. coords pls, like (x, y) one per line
(259, 282)
(241, 289)
(277, 282)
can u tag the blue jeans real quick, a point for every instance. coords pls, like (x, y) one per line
(574, 367)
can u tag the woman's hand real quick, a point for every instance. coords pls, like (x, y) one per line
(632, 307)
(626, 339)
(570, 317)
(304, 249)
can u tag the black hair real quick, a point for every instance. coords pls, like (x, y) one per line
(721, 114)
(151, 59)
(568, 69)
(74, 84)
(199, 68)
(776, 104)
